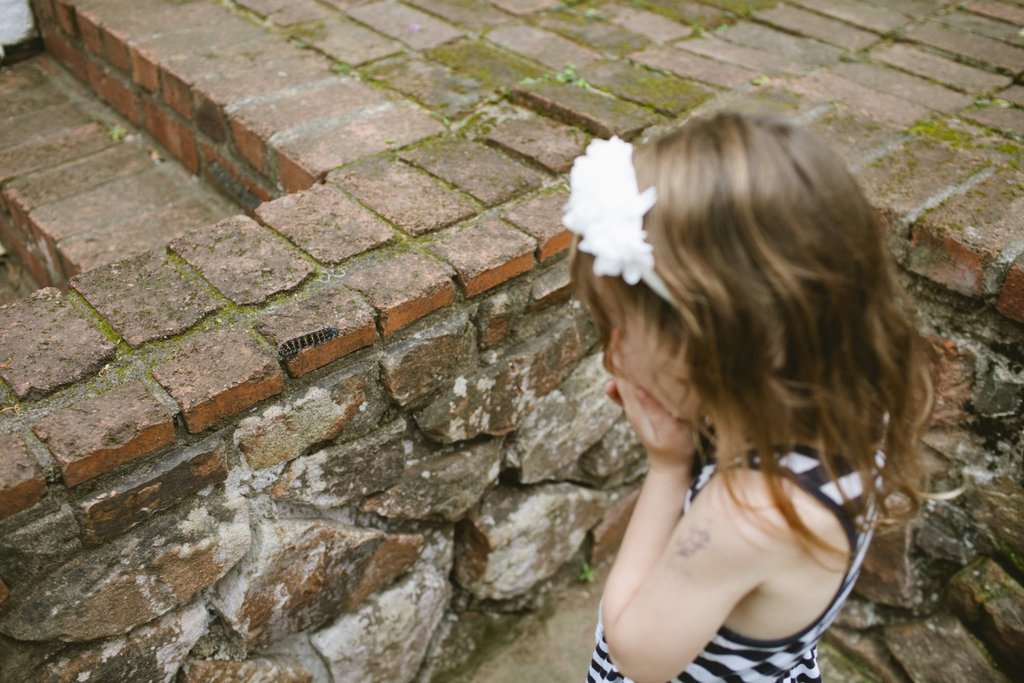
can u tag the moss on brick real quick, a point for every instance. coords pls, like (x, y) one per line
(487, 64)
(665, 93)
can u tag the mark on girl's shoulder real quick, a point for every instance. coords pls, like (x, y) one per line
(692, 542)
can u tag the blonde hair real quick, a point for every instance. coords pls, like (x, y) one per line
(788, 318)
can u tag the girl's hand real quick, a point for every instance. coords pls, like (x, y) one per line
(670, 442)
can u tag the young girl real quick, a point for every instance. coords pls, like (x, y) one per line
(752, 321)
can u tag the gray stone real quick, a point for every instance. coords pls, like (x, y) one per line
(30, 552)
(254, 670)
(521, 537)
(135, 578)
(992, 604)
(996, 395)
(616, 459)
(386, 638)
(565, 423)
(358, 381)
(300, 574)
(444, 487)
(421, 362)
(341, 473)
(917, 646)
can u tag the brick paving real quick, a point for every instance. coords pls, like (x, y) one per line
(416, 151)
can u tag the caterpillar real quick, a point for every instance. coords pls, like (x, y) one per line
(296, 344)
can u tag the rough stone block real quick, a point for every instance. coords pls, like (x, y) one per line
(96, 595)
(552, 286)
(411, 370)
(243, 260)
(144, 298)
(607, 536)
(305, 573)
(131, 501)
(991, 603)
(545, 523)
(219, 375)
(915, 646)
(887, 575)
(476, 169)
(402, 287)
(94, 436)
(616, 459)
(252, 670)
(46, 344)
(541, 140)
(22, 484)
(1011, 298)
(423, 205)
(337, 308)
(495, 400)
(344, 472)
(595, 111)
(494, 317)
(416, 29)
(998, 508)
(540, 217)
(441, 487)
(328, 226)
(486, 254)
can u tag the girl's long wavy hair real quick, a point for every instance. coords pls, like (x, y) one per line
(789, 321)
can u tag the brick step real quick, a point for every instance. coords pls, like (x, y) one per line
(79, 186)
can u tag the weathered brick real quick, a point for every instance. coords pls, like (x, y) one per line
(854, 137)
(650, 25)
(476, 169)
(434, 85)
(218, 375)
(1006, 58)
(144, 298)
(1005, 119)
(983, 26)
(1011, 298)
(485, 254)
(99, 434)
(945, 71)
(750, 58)
(877, 18)
(903, 85)
(998, 10)
(174, 135)
(25, 89)
(966, 244)
(598, 113)
(525, 6)
(588, 29)
(298, 12)
(51, 151)
(64, 50)
(325, 224)
(667, 94)
(796, 20)
(551, 144)
(22, 484)
(552, 286)
(112, 87)
(422, 206)
(277, 669)
(915, 645)
(486, 63)
(494, 317)
(40, 124)
(991, 603)
(694, 66)
(337, 308)
(45, 344)
(1014, 94)
(230, 179)
(243, 260)
(541, 218)
(348, 42)
(402, 287)
(414, 28)
(131, 501)
(410, 365)
(607, 536)
(475, 15)
(550, 49)
(885, 108)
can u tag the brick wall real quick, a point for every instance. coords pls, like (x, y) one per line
(179, 498)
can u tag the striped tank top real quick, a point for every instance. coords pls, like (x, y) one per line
(734, 658)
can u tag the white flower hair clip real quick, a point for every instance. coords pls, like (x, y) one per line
(606, 209)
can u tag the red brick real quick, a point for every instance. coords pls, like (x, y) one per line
(325, 224)
(541, 218)
(21, 481)
(903, 85)
(936, 68)
(348, 42)
(552, 286)
(962, 244)
(422, 206)
(882, 107)
(64, 51)
(432, 84)
(109, 86)
(693, 66)
(652, 26)
(64, 13)
(45, 344)
(225, 176)
(476, 169)
(1006, 58)
(243, 260)
(218, 375)
(1011, 298)
(414, 28)
(485, 254)
(175, 136)
(90, 33)
(144, 298)
(336, 308)
(1003, 11)
(475, 15)
(877, 18)
(402, 287)
(983, 26)
(796, 20)
(542, 46)
(99, 434)
(111, 512)
(551, 144)
(525, 6)
(1005, 119)
(598, 113)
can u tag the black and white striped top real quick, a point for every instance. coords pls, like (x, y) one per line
(733, 658)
